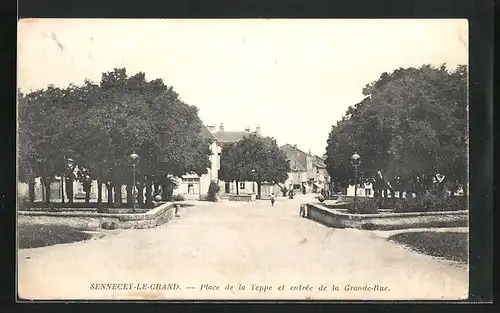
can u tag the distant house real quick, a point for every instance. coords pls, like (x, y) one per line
(297, 178)
(189, 185)
(308, 172)
(223, 137)
(195, 187)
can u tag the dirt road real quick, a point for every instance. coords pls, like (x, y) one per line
(270, 251)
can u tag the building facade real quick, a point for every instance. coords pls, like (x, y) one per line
(195, 187)
(222, 137)
(308, 172)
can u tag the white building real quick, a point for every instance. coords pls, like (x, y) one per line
(194, 187)
(222, 137)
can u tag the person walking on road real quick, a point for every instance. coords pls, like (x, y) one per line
(272, 199)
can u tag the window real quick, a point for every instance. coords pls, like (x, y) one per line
(190, 188)
(242, 185)
(368, 192)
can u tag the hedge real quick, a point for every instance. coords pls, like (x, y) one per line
(424, 203)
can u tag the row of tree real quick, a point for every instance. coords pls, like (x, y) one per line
(92, 129)
(254, 158)
(410, 130)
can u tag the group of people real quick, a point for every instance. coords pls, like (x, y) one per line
(291, 193)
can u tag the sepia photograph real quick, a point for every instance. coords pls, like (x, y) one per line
(242, 159)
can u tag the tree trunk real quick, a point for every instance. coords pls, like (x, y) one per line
(46, 183)
(164, 192)
(109, 189)
(87, 187)
(259, 185)
(465, 188)
(31, 189)
(237, 188)
(385, 193)
(61, 188)
(99, 196)
(129, 194)
(87, 196)
(140, 193)
(156, 186)
(149, 190)
(69, 189)
(118, 194)
(99, 193)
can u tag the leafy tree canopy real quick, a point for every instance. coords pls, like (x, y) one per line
(411, 127)
(99, 125)
(254, 157)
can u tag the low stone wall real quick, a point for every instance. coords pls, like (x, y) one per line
(384, 221)
(86, 210)
(94, 221)
(245, 197)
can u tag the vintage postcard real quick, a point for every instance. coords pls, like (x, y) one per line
(242, 159)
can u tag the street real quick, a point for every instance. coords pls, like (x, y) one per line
(270, 251)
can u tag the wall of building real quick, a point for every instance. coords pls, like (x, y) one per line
(365, 191)
(296, 178)
(195, 187)
(311, 171)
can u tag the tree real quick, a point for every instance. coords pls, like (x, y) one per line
(98, 126)
(254, 157)
(410, 128)
(25, 150)
(43, 122)
(125, 114)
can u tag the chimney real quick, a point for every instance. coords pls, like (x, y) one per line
(257, 130)
(221, 127)
(247, 130)
(309, 151)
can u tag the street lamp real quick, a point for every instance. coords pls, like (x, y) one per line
(253, 183)
(71, 167)
(355, 161)
(134, 157)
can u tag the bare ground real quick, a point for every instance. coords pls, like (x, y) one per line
(238, 244)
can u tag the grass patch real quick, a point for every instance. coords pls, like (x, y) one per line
(448, 245)
(34, 236)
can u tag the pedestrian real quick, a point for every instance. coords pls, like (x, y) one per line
(272, 199)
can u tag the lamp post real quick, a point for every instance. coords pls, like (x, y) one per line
(355, 161)
(317, 177)
(253, 183)
(134, 157)
(71, 167)
(62, 188)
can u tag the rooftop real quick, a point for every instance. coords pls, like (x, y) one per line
(230, 136)
(297, 157)
(223, 136)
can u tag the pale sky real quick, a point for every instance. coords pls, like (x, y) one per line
(294, 78)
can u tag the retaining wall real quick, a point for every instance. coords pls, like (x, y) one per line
(93, 221)
(385, 221)
(232, 197)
